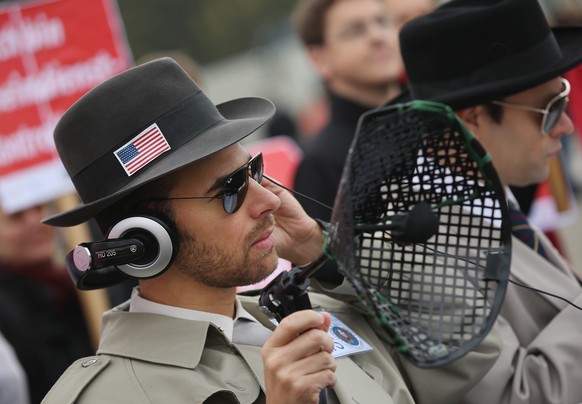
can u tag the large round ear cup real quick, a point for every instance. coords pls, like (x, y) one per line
(158, 237)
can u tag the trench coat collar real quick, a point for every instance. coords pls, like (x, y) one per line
(160, 346)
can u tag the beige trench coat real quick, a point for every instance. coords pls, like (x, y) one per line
(150, 358)
(541, 361)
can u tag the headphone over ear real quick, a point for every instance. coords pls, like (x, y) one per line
(141, 246)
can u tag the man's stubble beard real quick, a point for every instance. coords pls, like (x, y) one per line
(214, 266)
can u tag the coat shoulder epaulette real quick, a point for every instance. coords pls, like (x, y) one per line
(75, 379)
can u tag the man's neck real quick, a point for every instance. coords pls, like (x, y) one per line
(190, 294)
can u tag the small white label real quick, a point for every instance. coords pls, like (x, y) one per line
(346, 342)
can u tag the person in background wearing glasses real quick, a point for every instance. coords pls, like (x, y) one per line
(498, 64)
(189, 213)
(353, 47)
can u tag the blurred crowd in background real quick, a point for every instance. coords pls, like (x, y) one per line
(234, 49)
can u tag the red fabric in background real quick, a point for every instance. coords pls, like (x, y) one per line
(574, 76)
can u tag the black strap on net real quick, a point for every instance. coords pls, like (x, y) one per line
(420, 230)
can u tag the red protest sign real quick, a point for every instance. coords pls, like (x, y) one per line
(51, 53)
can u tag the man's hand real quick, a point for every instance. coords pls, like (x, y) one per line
(297, 236)
(297, 359)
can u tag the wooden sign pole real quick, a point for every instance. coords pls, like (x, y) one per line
(559, 184)
(93, 302)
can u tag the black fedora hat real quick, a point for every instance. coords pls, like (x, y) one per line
(468, 52)
(141, 125)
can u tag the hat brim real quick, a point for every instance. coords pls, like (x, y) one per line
(569, 40)
(243, 116)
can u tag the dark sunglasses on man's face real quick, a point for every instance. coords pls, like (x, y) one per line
(553, 110)
(235, 187)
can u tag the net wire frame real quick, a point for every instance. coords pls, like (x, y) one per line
(436, 299)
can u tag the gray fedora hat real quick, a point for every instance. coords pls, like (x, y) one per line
(141, 125)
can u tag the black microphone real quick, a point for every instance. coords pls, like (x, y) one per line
(287, 293)
(413, 227)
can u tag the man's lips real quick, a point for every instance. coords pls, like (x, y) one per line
(264, 240)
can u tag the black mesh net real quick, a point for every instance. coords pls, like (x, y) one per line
(419, 229)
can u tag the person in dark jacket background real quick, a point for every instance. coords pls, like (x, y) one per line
(40, 314)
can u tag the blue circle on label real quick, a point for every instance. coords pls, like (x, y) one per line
(345, 335)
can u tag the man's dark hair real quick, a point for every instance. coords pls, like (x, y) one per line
(309, 20)
(495, 111)
(139, 201)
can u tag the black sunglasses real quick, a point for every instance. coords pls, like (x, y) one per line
(553, 110)
(235, 187)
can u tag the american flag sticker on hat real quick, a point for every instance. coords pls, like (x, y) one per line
(142, 149)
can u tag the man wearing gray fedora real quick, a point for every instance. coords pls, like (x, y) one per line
(498, 64)
(188, 212)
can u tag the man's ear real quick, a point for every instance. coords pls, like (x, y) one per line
(318, 56)
(472, 118)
